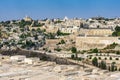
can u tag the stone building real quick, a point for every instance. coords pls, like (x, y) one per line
(28, 19)
(69, 29)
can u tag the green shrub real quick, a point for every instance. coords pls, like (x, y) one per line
(99, 58)
(79, 59)
(117, 58)
(110, 58)
(57, 49)
(118, 53)
(103, 65)
(105, 58)
(95, 61)
(73, 50)
(95, 50)
(49, 51)
(90, 57)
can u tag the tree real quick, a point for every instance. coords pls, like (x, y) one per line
(114, 34)
(117, 58)
(49, 51)
(58, 21)
(99, 58)
(117, 31)
(95, 61)
(111, 46)
(118, 53)
(23, 23)
(62, 41)
(45, 49)
(113, 66)
(72, 56)
(114, 63)
(95, 50)
(100, 54)
(39, 30)
(33, 30)
(23, 36)
(58, 32)
(109, 68)
(14, 31)
(98, 26)
(96, 54)
(90, 57)
(58, 49)
(117, 28)
(74, 50)
(103, 65)
(50, 35)
(110, 58)
(105, 58)
(22, 30)
(79, 59)
(44, 30)
(36, 37)
(36, 24)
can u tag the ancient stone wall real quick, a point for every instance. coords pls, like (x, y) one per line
(86, 43)
(42, 56)
(99, 32)
(51, 43)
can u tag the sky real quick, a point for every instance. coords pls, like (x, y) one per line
(40, 9)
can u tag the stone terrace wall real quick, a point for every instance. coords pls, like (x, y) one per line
(42, 56)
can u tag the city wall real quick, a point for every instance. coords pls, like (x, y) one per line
(86, 43)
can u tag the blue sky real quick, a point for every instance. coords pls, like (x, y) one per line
(39, 9)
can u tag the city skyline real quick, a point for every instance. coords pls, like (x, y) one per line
(40, 9)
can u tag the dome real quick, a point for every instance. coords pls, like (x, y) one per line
(65, 18)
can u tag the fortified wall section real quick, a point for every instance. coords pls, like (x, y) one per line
(86, 43)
